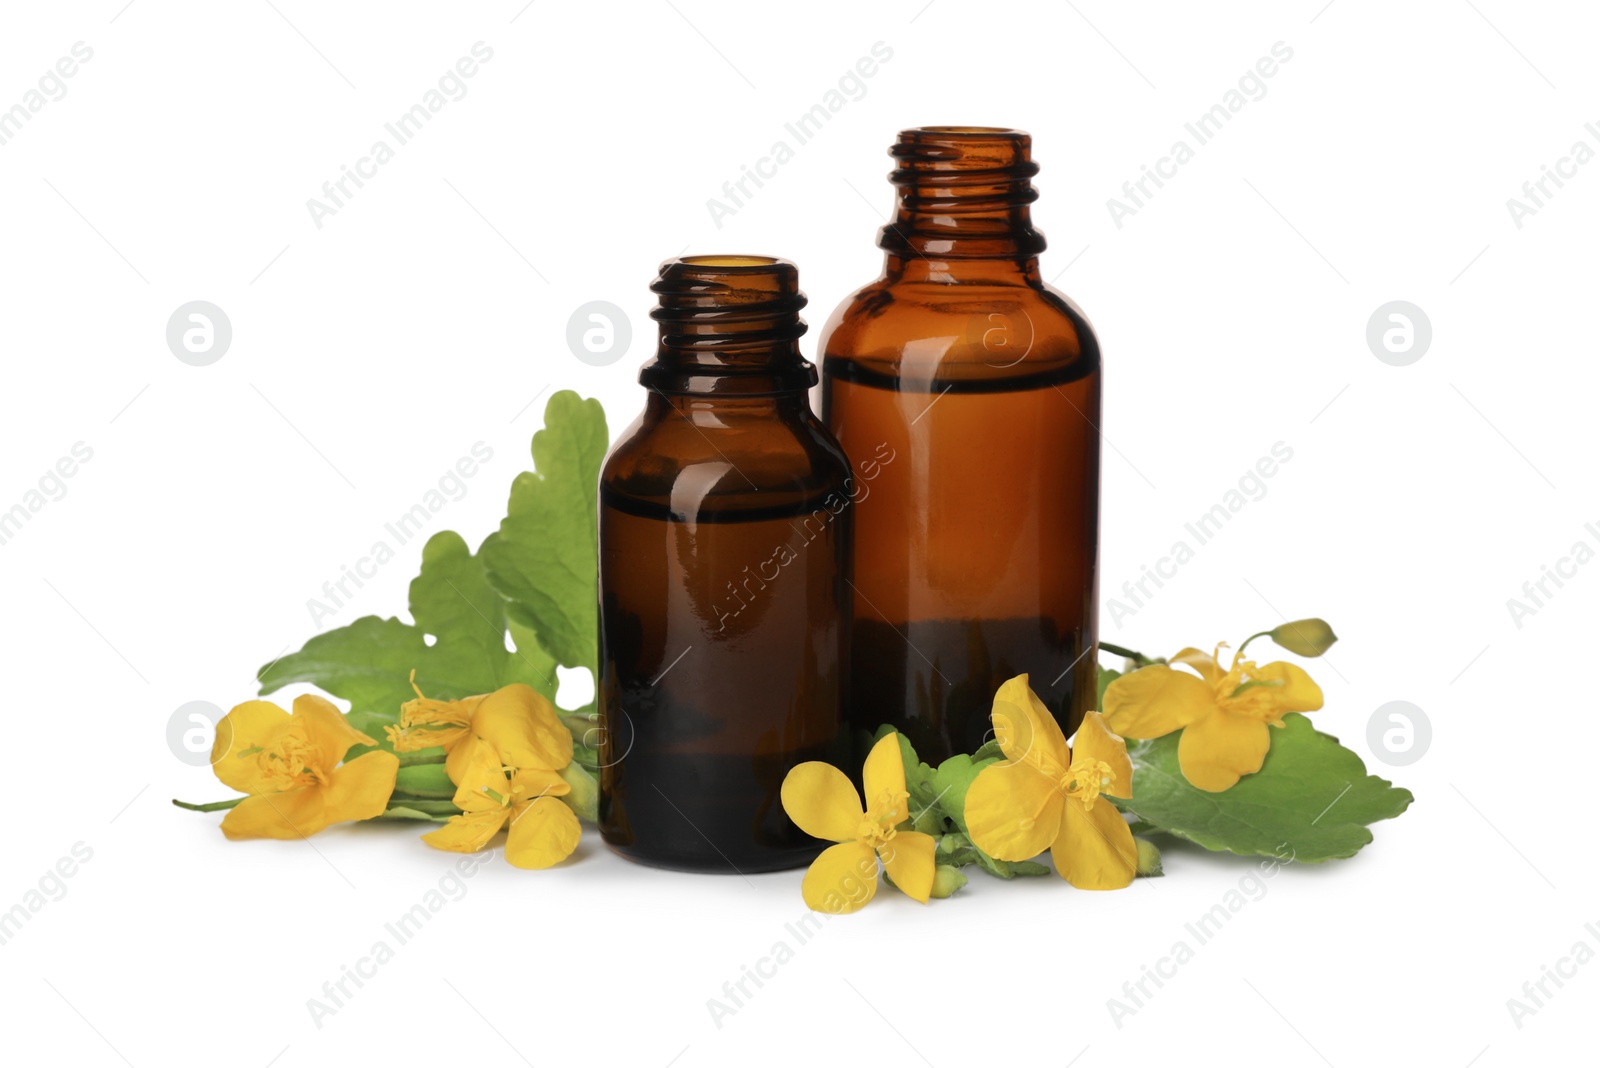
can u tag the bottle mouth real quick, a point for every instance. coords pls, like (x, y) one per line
(729, 324)
(965, 131)
(945, 156)
(730, 262)
(705, 294)
(963, 192)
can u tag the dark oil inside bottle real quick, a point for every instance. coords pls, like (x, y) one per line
(719, 689)
(965, 579)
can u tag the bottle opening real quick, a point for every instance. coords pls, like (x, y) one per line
(731, 261)
(727, 288)
(963, 154)
(969, 131)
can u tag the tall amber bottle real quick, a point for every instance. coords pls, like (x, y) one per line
(976, 553)
(724, 573)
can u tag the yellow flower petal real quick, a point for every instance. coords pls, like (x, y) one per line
(360, 789)
(1094, 742)
(476, 771)
(290, 815)
(542, 834)
(1295, 692)
(823, 802)
(1156, 700)
(325, 728)
(1203, 663)
(527, 784)
(1095, 850)
(522, 726)
(1024, 727)
(469, 832)
(465, 760)
(908, 858)
(1012, 811)
(884, 771)
(842, 879)
(1215, 751)
(241, 734)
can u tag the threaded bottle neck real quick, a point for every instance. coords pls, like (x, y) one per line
(964, 193)
(728, 325)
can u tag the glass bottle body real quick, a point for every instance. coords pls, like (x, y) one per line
(976, 554)
(724, 556)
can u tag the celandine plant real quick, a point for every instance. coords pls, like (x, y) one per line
(452, 721)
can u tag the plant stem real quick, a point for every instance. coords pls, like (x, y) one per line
(432, 806)
(210, 806)
(1117, 650)
(421, 804)
(1253, 637)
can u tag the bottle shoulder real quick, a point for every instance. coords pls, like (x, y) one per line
(703, 460)
(961, 330)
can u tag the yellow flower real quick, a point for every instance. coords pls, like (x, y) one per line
(1224, 715)
(289, 765)
(516, 721)
(1045, 795)
(544, 831)
(823, 803)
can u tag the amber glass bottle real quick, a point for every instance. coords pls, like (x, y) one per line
(976, 552)
(724, 554)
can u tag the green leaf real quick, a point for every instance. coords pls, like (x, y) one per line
(988, 749)
(925, 814)
(951, 781)
(369, 661)
(1009, 869)
(1311, 801)
(372, 723)
(544, 559)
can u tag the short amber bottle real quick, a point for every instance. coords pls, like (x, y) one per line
(976, 553)
(724, 574)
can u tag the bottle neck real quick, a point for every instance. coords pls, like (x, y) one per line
(940, 270)
(963, 194)
(729, 326)
(721, 408)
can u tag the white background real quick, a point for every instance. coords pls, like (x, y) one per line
(370, 354)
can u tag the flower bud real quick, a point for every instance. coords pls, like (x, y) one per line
(947, 880)
(1304, 637)
(584, 800)
(1149, 859)
(424, 780)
